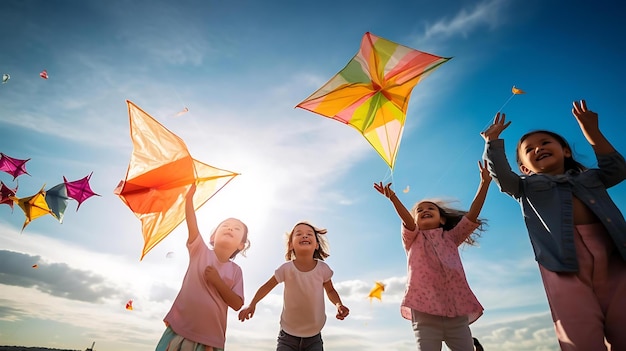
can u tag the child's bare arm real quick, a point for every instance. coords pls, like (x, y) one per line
(265, 289)
(333, 296)
(190, 215)
(407, 219)
(481, 194)
(233, 300)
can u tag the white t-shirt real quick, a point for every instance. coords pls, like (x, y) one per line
(303, 306)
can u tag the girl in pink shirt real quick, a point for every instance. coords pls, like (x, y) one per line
(306, 277)
(213, 282)
(438, 299)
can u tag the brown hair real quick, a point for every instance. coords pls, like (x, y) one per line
(320, 253)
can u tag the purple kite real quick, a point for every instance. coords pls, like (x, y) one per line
(13, 166)
(79, 190)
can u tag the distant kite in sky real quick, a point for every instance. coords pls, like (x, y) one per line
(5, 78)
(406, 190)
(7, 195)
(517, 91)
(371, 93)
(44, 74)
(129, 305)
(79, 190)
(159, 175)
(57, 199)
(35, 266)
(34, 206)
(514, 91)
(377, 291)
(13, 166)
(182, 112)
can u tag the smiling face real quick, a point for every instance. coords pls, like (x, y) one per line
(428, 216)
(542, 153)
(303, 240)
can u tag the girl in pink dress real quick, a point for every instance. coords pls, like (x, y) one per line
(438, 299)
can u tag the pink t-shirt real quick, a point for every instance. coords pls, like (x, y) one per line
(199, 313)
(436, 281)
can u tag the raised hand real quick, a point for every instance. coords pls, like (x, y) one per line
(485, 176)
(587, 119)
(499, 124)
(384, 189)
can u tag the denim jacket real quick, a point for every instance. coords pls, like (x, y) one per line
(547, 206)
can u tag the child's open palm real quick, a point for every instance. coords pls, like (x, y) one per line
(494, 130)
(384, 189)
(587, 119)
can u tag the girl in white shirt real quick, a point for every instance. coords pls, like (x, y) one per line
(306, 277)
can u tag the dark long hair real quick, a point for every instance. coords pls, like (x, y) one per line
(452, 217)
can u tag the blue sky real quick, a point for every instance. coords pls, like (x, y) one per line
(241, 67)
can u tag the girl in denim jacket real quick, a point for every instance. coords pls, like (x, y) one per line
(577, 232)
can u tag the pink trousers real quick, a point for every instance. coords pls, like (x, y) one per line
(589, 307)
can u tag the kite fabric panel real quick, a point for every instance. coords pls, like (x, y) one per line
(7, 195)
(371, 93)
(34, 206)
(13, 166)
(159, 175)
(377, 291)
(79, 190)
(57, 199)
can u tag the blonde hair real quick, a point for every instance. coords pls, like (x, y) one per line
(244, 238)
(320, 253)
(452, 217)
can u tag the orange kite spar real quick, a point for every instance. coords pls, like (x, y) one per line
(159, 175)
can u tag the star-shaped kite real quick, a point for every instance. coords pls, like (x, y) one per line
(34, 206)
(371, 93)
(79, 190)
(13, 166)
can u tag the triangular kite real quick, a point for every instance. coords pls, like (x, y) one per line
(159, 174)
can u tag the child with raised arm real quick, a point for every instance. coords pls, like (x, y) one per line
(438, 299)
(306, 277)
(577, 232)
(213, 282)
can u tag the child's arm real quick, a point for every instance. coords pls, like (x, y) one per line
(507, 180)
(233, 300)
(190, 215)
(407, 219)
(265, 289)
(481, 194)
(333, 296)
(588, 122)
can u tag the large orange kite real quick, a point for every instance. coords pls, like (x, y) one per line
(159, 175)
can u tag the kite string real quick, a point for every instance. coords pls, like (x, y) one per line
(506, 102)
